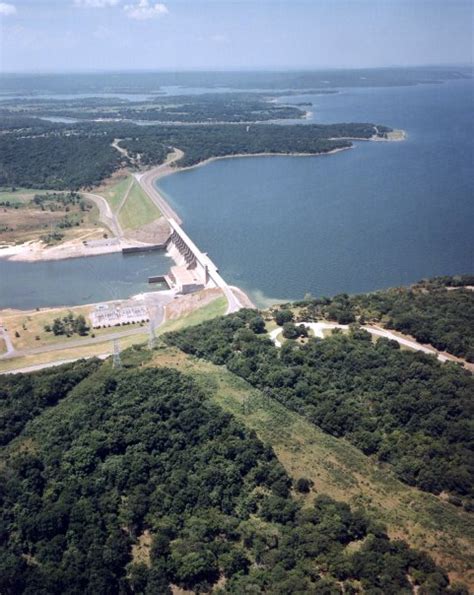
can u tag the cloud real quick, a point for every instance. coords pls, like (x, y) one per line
(7, 9)
(96, 3)
(143, 10)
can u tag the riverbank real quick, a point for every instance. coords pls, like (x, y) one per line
(38, 251)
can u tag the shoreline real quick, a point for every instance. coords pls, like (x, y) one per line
(208, 160)
(37, 251)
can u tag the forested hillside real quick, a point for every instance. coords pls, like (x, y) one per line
(401, 406)
(55, 161)
(134, 458)
(38, 154)
(25, 396)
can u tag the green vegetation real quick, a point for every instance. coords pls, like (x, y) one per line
(203, 142)
(49, 216)
(439, 311)
(81, 155)
(136, 455)
(338, 468)
(215, 308)
(202, 108)
(25, 396)
(138, 209)
(55, 161)
(116, 193)
(68, 325)
(403, 407)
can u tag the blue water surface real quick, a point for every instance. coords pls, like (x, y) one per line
(381, 214)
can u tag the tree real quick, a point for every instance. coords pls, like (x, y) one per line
(304, 485)
(257, 325)
(290, 331)
(282, 316)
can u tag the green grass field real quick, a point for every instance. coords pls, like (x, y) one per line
(20, 195)
(138, 209)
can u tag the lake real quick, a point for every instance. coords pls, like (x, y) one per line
(76, 281)
(382, 214)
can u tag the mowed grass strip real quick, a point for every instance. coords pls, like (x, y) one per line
(216, 308)
(114, 194)
(138, 209)
(339, 469)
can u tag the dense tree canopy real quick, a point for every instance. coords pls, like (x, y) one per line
(402, 406)
(37, 154)
(143, 456)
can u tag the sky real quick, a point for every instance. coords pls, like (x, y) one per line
(91, 35)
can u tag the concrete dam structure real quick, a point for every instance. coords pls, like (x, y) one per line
(194, 270)
(193, 267)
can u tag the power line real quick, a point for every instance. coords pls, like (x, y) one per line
(117, 361)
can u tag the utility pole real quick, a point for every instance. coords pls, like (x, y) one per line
(117, 361)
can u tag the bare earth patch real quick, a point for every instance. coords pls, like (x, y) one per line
(141, 549)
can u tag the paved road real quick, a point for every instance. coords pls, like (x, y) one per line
(106, 214)
(37, 367)
(147, 179)
(73, 343)
(318, 329)
(233, 302)
(8, 342)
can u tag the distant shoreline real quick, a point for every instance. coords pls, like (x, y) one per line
(398, 135)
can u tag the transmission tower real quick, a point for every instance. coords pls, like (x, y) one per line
(117, 361)
(151, 335)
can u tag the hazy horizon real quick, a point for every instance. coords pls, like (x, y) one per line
(242, 69)
(69, 36)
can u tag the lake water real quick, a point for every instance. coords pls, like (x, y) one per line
(378, 215)
(78, 281)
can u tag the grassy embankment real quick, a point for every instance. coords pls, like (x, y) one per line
(216, 308)
(115, 191)
(137, 210)
(338, 468)
(22, 220)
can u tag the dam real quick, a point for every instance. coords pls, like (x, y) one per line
(194, 270)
